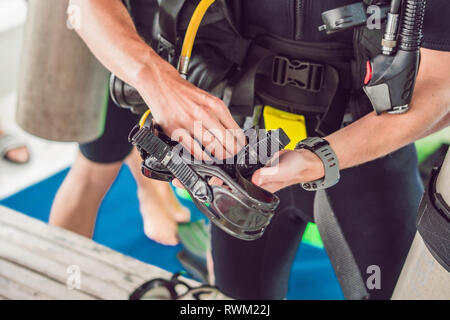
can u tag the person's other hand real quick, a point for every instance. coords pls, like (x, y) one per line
(288, 168)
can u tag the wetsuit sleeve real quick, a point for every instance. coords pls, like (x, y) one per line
(437, 25)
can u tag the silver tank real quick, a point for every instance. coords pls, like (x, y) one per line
(422, 276)
(62, 88)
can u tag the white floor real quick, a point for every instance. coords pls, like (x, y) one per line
(47, 157)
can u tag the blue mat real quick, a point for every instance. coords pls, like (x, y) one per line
(119, 226)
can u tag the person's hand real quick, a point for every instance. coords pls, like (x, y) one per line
(287, 168)
(190, 115)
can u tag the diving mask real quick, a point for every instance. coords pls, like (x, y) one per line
(238, 207)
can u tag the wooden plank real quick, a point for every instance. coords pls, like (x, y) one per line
(39, 282)
(123, 280)
(17, 291)
(106, 272)
(49, 251)
(82, 245)
(39, 261)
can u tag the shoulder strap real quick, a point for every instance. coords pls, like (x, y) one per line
(169, 11)
(341, 256)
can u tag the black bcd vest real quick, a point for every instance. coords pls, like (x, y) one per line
(269, 53)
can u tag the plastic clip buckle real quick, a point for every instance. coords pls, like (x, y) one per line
(300, 74)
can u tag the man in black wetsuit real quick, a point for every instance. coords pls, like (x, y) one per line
(377, 197)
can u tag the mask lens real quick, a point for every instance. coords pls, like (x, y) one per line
(181, 289)
(238, 214)
(157, 293)
(157, 289)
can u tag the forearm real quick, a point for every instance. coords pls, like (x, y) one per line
(108, 30)
(442, 124)
(176, 104)
(375, 136)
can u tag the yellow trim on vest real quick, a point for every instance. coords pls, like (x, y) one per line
(293, 124)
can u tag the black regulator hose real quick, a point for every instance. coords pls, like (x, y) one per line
(395, 6)
(410, 36)
(125, 96)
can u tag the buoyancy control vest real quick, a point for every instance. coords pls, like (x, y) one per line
(261, 52)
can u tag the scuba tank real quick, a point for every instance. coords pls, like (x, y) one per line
(426, 273)
(63, 88)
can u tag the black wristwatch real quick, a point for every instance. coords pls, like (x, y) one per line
(323, 150)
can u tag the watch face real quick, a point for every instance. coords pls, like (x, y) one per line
(319, 143)
(312, 144)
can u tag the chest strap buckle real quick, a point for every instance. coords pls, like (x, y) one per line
(300, 74)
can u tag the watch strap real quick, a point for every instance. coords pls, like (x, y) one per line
(323, 150)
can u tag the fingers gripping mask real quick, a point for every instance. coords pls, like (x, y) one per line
(238, 206)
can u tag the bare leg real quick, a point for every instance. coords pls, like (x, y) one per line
(159, 207)
(79, 197)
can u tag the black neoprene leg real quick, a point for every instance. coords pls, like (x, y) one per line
(260, 269)
(113, 145)
(376, 206)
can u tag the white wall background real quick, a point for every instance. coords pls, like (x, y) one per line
(12, 18)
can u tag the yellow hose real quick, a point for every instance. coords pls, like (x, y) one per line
(188, 43)
(193, 27)
(144, 118)
(191, 34)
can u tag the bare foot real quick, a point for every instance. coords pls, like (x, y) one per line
(160, 209)
(176, 210)
(159, 225)
(161, 212)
